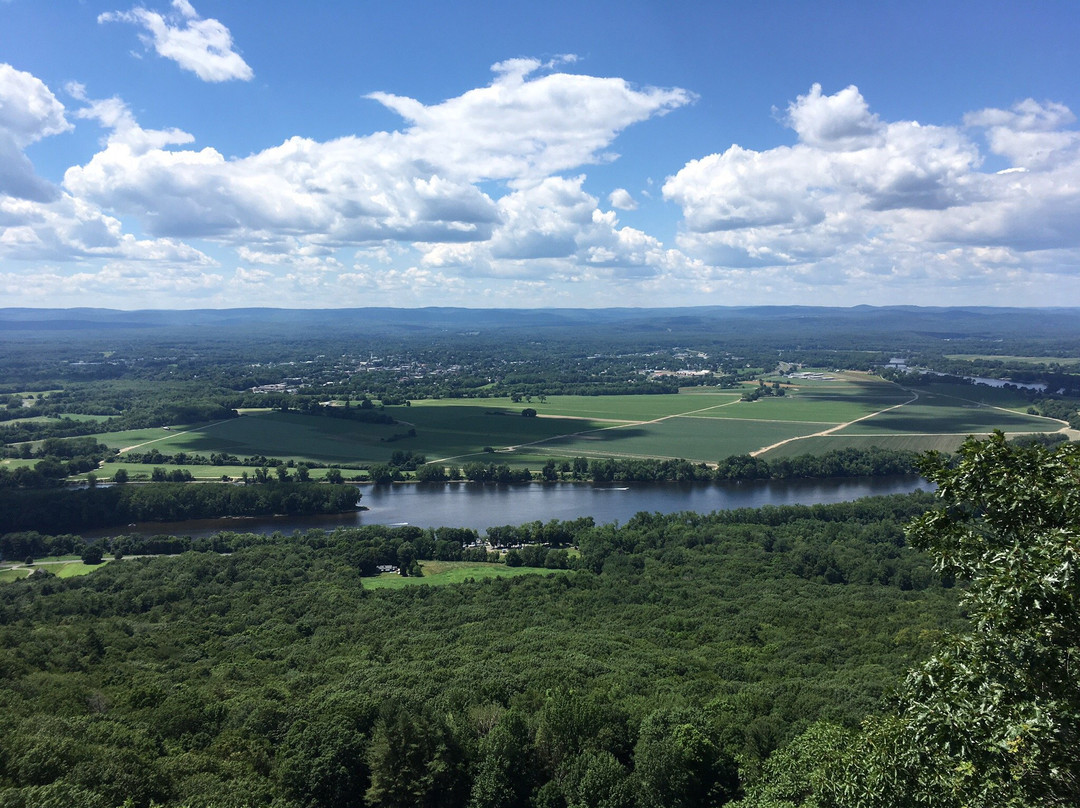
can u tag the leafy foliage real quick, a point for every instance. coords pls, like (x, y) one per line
(270, 676)
(992, 718)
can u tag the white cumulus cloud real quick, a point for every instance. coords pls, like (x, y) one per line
(203, 46)
(554, 230)
(416, 185)
(620, 198)
(524, 127)
(862, 201)
(28, 112)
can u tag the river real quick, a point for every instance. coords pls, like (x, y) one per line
(480, 506)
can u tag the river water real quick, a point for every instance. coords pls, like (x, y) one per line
(480, 506)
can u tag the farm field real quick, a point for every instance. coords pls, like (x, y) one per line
(624, 409)
(700, 424)
(443, 573)
(689, 438)
(937, 414)
(817, 445)
(981, 394)
(154, 435)
(273, 434)
(815, 407)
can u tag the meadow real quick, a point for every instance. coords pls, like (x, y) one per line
(444, 573)
(65, 567)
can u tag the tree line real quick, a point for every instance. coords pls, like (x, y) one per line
(51, 510)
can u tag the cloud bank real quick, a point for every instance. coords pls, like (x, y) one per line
(861, 200)
(485, 199)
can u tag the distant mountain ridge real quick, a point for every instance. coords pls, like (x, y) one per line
(778, 322)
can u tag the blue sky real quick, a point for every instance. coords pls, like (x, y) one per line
(217, 153)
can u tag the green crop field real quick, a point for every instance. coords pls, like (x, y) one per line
(818, 445)
(273, 434)
(442, 573)
(817, 408)
(698, 439)
(155, 436)
(605, 408)
(701, 424)
(981, 394)
(937, 414)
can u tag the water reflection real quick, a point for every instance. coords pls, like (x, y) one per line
(480, 506)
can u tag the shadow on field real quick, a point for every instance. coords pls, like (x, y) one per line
(602, 436)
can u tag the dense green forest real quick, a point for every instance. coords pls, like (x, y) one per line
(271, 676)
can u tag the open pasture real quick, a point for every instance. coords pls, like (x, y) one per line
(80, 416)
(443, 573)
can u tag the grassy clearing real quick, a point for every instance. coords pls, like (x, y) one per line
(12, 463)
(444, 573)
(65, 568)
(73, 568)
(78, 416)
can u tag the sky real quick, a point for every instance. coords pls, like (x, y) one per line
(220, 153)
